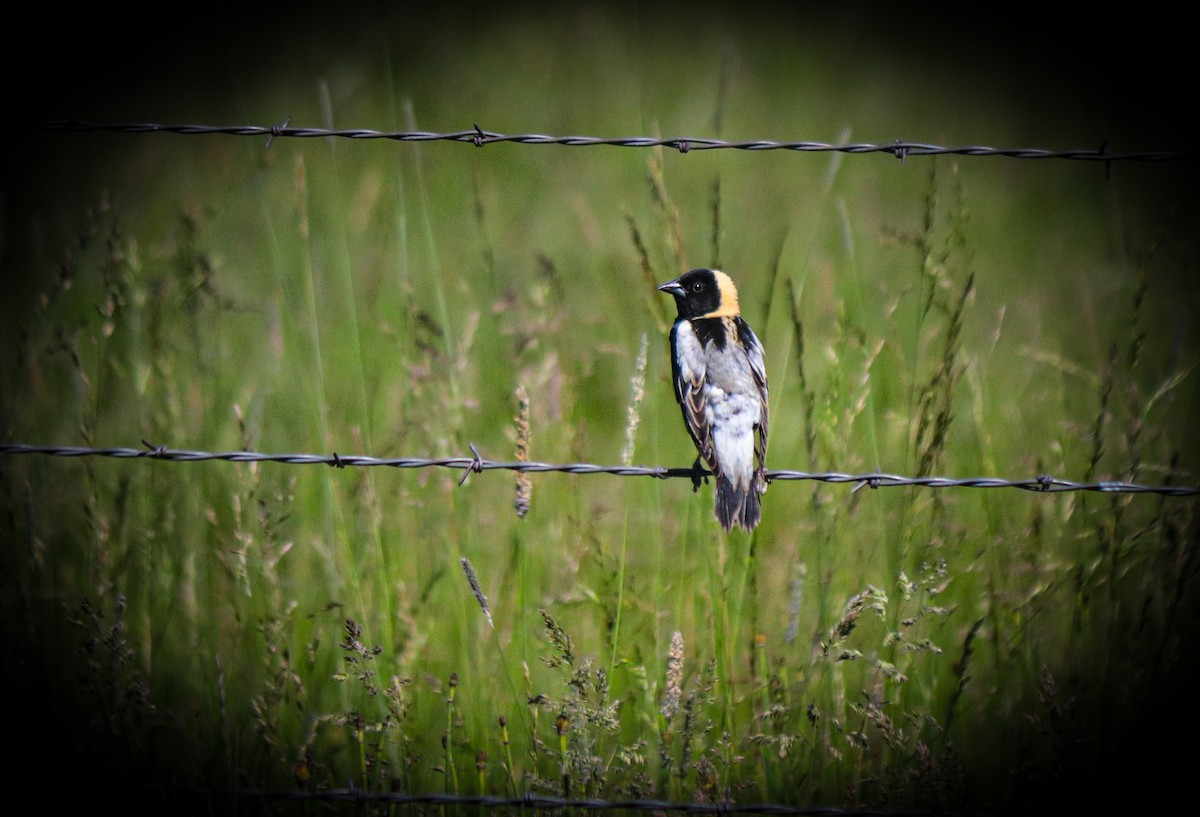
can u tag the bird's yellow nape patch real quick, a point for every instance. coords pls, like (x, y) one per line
(729, 307)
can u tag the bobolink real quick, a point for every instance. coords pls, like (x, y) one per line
(721, 385)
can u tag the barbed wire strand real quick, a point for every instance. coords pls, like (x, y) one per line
(534, 801)
(476, 464)
(478, 137)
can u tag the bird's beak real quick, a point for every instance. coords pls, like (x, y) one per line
(673, 287)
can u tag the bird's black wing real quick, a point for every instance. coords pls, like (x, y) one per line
(688, 370)
(758, 368)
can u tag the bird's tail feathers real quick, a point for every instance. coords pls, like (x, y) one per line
(738, 506)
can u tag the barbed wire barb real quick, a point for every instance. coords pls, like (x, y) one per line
(1042, 483)
(479, 137)
(277, 129)
(476, 465)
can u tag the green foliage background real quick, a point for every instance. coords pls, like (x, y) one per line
(229, 624)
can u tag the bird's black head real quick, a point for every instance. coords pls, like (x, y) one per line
(703, 293)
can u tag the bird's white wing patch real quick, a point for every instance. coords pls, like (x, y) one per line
(690, 388)
(758, 367)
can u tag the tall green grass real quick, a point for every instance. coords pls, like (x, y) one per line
(226, 625)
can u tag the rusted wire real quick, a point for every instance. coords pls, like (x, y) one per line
(475, 463)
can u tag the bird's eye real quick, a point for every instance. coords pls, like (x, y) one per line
(697, 287)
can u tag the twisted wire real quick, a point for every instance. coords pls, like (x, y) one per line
(478, 137)
(533, 800)
(476, 464)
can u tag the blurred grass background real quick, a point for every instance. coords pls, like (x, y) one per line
(217, 624)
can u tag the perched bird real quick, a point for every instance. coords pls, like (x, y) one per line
(721, 385)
